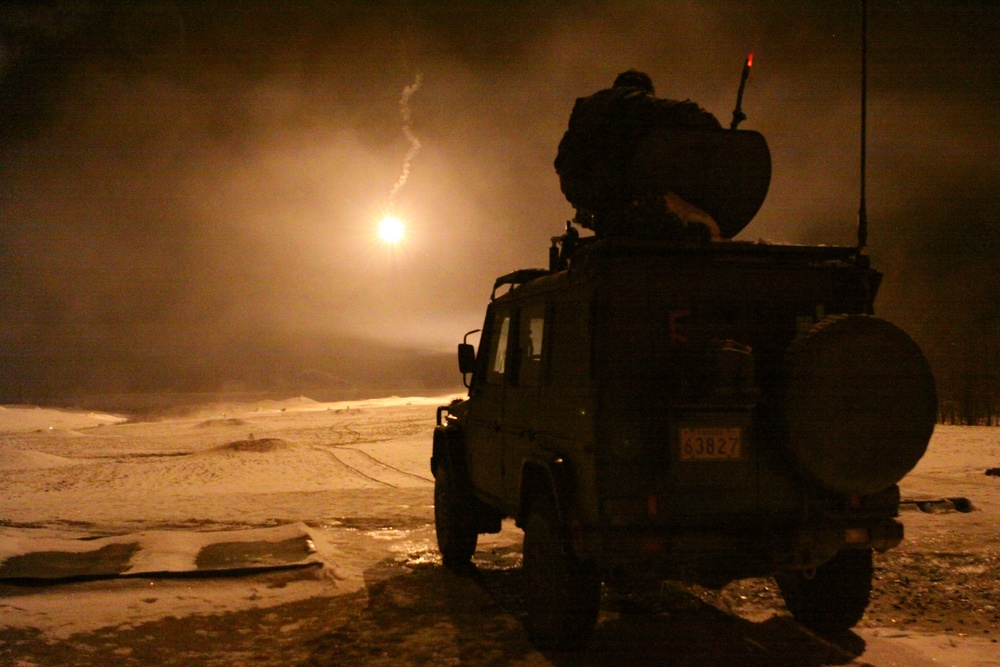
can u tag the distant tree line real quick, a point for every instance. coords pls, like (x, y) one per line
(969, 395)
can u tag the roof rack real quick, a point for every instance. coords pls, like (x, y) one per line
(516, 278)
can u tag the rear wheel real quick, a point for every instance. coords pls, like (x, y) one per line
(454, 521)
(562, 593)
(835, 598)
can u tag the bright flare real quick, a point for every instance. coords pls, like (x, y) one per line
(391, 229)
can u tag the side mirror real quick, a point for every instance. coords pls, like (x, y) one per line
(466, 358)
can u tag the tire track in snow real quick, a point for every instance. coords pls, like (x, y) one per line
(386, 465)
(369, 467)
(353, 469)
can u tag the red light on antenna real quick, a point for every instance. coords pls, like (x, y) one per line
(750, 59)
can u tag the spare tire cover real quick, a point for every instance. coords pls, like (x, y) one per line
(860, 404)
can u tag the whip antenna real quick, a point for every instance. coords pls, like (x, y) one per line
(862, 212)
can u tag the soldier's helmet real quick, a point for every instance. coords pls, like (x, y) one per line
(635, 79)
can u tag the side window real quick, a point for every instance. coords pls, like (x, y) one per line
(531, 336)
(498, 348)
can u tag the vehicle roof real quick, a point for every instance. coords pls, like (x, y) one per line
(596, 252)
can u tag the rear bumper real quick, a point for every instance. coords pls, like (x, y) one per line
(717, 556)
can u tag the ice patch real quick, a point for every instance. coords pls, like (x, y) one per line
(26, 557)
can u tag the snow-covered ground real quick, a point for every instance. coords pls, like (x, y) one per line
(330, 492)
(75, 482)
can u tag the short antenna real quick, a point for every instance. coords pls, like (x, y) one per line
(738, 115)
(862, 212)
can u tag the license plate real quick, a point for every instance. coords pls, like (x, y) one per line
(711, 444)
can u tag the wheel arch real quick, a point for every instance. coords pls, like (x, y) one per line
(448, 448)
(542, 475)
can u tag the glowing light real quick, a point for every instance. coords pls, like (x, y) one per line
(750, 60)
(391, 230)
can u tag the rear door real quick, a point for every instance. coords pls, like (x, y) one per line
(676, 423)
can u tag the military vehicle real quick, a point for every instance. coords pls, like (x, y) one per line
(702, 411)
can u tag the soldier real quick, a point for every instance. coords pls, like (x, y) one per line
(596, 153)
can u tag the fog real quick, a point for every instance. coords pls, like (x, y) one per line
(190, 192)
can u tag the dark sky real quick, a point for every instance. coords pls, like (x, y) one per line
(189, 192)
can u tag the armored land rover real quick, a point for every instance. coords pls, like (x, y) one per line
(694, 410)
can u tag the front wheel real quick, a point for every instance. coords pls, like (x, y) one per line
(835, 598)
(562, 593)
(454, 521)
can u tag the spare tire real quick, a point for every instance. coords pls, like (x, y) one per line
(859, 403)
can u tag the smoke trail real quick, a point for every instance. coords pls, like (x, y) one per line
(404, 110)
